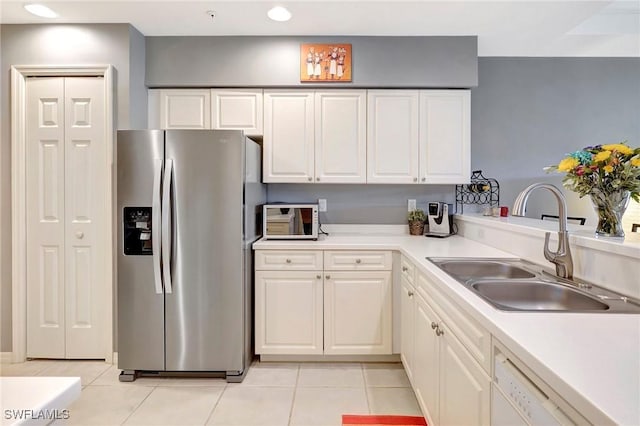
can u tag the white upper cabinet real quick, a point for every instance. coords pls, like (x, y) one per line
(180, 109)
(237, 109)
(340, 136)
(392, 136)
(288, 148)
(445, 146)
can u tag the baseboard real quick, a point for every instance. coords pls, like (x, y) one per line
(6, 357)
(330, 358)
(114, 360)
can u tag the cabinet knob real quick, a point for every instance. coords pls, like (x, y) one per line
(405, 269)
(434, 325)
(424, 179)
(410, 293)
(318, 277)
(317, 179)
(79, 235)
(358, 261)
(288, 260)
(328, 277)
(439, 332)
(309, 178)
(415, 179)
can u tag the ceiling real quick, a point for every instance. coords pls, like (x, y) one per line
(504, 28)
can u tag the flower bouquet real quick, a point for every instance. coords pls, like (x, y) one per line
(609, 174)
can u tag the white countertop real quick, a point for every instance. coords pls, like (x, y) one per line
(592, 360)
(37, 398)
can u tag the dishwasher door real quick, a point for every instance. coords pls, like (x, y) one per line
(516, 400)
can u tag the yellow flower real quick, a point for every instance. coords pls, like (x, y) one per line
(635, 161)
(601, 156)
(622, 149)
(608, 168)
(568, 164)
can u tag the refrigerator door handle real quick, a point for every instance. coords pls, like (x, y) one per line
(166, 226)
(155, 225)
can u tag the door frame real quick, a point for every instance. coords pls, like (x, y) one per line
(19, 75)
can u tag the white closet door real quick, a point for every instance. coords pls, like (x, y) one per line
(86, 215)
(45, 218)
(66, 216)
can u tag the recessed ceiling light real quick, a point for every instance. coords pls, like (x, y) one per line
(40, 10)
(279, 14)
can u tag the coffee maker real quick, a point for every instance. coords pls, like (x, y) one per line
(439, 220)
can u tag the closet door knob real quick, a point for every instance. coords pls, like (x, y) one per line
(79, 235)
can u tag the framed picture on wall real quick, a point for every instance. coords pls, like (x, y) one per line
(326, 63)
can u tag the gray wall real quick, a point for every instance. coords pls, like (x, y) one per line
(527, 113)
(275, 61)
(62, 45)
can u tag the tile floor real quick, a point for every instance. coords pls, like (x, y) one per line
(272, 394)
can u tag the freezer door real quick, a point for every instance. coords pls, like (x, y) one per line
(204, 311)
(140, 297)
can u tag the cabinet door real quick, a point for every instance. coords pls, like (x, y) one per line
(357, 312)
(340, 136)
(445, 155)
(425, 355)
(237, 109)
(288, 310)
(407, 329)
(184, 108)
(288, 137)
(465, 393)
(392, 136)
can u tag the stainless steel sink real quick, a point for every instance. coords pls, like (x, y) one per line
(518, 285)
(535, 296)
(467, 269)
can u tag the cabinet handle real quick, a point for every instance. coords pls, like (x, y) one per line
(410, 293)
(415, 179)
(309, 178)
(358, 261)
(317, 179)
(288, 261)
(79, 235)
(424, 179)
(405, 269)
(318, 277)
(328, 277)
(434, 325)
(439, 332)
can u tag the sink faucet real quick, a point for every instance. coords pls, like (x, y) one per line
(562, 256)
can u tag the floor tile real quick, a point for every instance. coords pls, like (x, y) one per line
(176, 406)
(27, 368)
(325, 406)
(105, 405)
(393, 401)
(88, 371)
(337, 375)
(253, 405)
(385, 375)
(271, 374)
(111, 378)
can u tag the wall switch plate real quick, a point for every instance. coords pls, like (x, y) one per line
(411, 205)
(322, 204)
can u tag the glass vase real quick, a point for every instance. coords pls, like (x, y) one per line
(609, 208)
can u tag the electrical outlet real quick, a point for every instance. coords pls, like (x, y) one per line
(411, 205)
(322, 204)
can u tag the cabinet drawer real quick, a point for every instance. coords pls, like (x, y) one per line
(407, 270)
(473, 336)
(293, 260)
(357, 260)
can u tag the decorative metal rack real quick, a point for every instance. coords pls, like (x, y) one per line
(481, 190)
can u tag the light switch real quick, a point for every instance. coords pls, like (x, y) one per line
(411, 205)
(322, 204)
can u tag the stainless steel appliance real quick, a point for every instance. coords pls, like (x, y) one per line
(290, 221)
(439, 220)
(188, 202)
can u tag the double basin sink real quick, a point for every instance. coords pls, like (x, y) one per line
(518, 285)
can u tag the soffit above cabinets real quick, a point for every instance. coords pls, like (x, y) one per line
(504, 28)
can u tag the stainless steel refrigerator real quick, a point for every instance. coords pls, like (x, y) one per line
(188, 205)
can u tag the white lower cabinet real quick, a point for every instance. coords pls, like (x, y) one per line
(451, 387)
(322, 311)
(407, 313)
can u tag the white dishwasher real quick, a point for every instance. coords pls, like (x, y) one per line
(516, 400)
